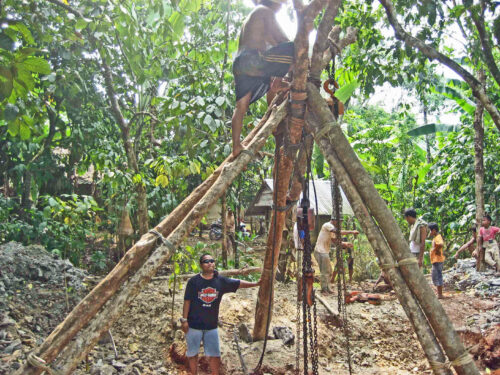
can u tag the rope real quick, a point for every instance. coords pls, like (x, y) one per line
(248, 152)
(324, 129)
(40, 364)
(464, 359)
(402, 262)
(284, 208)
(316, 81)
(163, 240)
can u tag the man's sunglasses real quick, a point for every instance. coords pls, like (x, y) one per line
(208, 261)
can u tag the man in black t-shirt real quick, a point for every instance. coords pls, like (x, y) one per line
(200, 314)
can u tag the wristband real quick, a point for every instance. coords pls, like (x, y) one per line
(183, 320)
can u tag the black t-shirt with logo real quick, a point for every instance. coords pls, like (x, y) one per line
(205, 296)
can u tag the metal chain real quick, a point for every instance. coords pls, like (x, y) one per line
(315, 356)
(297, 339)
(341, 283)
(309, 329)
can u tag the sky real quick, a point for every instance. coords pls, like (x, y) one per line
(387, 97)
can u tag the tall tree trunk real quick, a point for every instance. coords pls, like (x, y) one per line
(26, 202)
(427, 137)
(479, 168)
(142, 203)
(283, 167)
(223, 216)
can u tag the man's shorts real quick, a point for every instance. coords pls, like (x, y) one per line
(253, 69)
(210, 339)
(437, 273)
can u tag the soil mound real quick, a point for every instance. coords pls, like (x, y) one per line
(37, 291)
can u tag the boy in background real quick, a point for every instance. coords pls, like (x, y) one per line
(487, 234)
(437, 258)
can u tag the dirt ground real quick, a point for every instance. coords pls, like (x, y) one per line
(381, 339)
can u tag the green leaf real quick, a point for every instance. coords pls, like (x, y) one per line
(10, 112)
(345, 92)
(6, 42)
(37, 65)
(209, 121)
(24, 131)
(432, 129)
(13, 128)
(81, 24)
(25, 32)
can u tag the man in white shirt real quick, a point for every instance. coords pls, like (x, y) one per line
(322, 252)
(418, 234)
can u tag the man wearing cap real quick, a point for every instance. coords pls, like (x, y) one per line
(264, 53)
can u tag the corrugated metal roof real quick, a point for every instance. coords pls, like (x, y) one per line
(323, 191)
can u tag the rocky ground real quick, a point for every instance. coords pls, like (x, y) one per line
(36, 291)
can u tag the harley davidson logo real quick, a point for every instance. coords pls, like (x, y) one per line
(208, 295)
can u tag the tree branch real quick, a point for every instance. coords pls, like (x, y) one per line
(115, 107)
(321, 43)
(67, 7)
(485, 44)
(477, 88)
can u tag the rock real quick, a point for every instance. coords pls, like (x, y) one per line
(102, 369)
(244, 333)
(16, 344)
(118, 365)
(285, 334)
(495, 282)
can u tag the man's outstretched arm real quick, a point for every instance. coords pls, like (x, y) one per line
(247, 284)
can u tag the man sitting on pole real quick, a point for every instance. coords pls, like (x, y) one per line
(264, 53)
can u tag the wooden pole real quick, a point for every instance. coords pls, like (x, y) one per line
(327, 306)
(284, 161)
(411, 307)
(135, 257)
(414, 278)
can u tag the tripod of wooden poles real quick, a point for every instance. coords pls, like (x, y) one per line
(80, 331)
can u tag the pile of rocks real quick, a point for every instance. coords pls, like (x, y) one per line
(463, 276)
(37, 291)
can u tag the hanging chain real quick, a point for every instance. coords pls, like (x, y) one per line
(315, 354)
(341, 282)
(297, 338)
(309, 329)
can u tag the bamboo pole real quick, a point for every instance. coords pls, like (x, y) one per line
(106, 289)
(411, 307)
(76, 351)
(436, 315)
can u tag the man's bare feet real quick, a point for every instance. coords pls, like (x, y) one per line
(237, 148)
